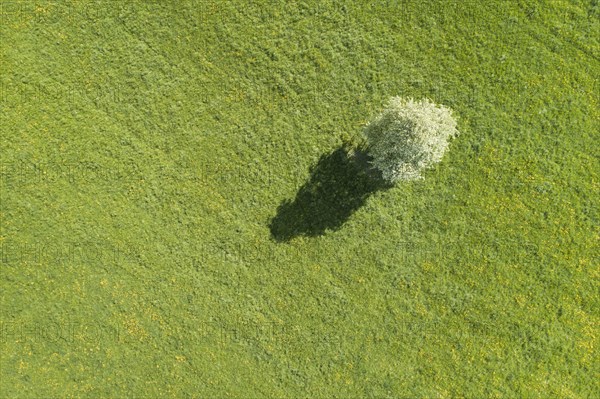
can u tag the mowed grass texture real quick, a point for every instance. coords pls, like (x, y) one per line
(170, 221)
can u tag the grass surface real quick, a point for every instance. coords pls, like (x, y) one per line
(168, 203)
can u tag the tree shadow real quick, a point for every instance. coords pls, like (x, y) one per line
(339, 185)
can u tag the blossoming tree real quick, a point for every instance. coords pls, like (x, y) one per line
(408, 137)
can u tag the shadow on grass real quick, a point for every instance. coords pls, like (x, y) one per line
(339, 185)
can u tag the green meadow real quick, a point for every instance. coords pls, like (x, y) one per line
(179, 216)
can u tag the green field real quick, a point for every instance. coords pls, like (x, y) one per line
(179, 217)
